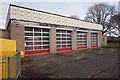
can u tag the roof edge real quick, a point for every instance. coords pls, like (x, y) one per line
(48, 13)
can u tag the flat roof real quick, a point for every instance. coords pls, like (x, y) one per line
(76, 22)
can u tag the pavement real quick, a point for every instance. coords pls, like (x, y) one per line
(73, 64)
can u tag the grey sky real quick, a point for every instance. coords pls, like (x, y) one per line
(68, 8)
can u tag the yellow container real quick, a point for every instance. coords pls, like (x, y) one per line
(22, 54)
(7, 47)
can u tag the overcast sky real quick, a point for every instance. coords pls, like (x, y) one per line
(62, 7)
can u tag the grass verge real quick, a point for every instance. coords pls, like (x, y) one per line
(113, 45)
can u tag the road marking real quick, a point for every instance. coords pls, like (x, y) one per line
(37, 66)
(101, 53)
(42, 57)
(72, 53)
(81, 57)
(112, 49)
(101, 71)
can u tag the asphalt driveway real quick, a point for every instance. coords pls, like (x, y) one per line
(73, 64)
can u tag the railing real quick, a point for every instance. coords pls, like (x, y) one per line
(10, 66)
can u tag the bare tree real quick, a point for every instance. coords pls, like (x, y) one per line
(101, 14)
(75, 17)
(116, 19)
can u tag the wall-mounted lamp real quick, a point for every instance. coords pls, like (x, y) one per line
(17, 25)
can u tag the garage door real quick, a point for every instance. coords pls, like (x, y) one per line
(36, 40)
(94, 40)
(81, 40)
(63, 40)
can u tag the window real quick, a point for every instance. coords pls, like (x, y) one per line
(29, 48)
(45, 34)
(28, 38)
(37, 47)
(94, 38)
(28, 29)
(36, 38)
(45, 30)
(37, 34)
(29, 43)
(81, 38)
(45, 38)
(45, 42)
(37, 30)
(63, 38)
(45, 47)
(37, 43)
(29, 34)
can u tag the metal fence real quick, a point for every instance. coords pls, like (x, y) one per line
(10, 66)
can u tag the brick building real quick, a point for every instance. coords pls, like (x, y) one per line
(43, 32)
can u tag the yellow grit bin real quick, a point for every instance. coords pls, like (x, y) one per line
(7, 48)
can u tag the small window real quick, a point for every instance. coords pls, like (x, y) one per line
(37, 38)
(45, 42)
(64, 42)
(28, 38)
(68, 45)
(63, 34)
(58, 34)
(45, 30)
(45, 38)
(37, 34)
(68, 38)
(37, 43)
(29, 43)
(59, 39)
(28, 29)
(37, 29)
(58, 31)
(37, 47)
(45, 34)
(68, 42)
(28, 34)
(45, 47)
(64, 46)
(68, 35)
(68, 32)
(63, 38)
(29, 48)
(58, 42)
(59, 46)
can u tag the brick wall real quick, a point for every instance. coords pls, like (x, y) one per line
(17, 33)
(4, 34)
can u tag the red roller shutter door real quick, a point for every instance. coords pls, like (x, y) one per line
(63, 40)
(36, 40)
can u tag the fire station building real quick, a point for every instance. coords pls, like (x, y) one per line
(43, 32)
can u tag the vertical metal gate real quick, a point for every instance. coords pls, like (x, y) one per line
(10, 66)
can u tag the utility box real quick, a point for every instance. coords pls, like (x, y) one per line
(7, 47)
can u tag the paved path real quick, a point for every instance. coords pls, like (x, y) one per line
(73, 64)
